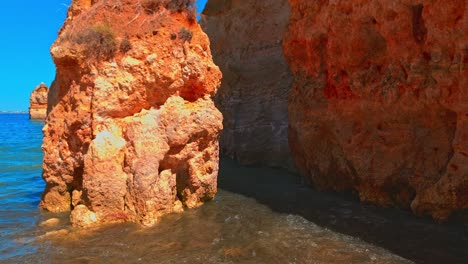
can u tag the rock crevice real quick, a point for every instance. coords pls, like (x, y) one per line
(246, 39)
(376, 103)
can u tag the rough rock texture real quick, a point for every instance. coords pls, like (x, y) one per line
(380, 100)
(38, 102)
(246, 38)
(132, 132)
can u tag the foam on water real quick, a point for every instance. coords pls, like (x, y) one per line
(231, 229)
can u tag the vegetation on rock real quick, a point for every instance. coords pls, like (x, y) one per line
(152, 6)
(185, 34)
(125, 45)
(99, 41)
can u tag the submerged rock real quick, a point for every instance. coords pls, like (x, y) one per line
(50, 222)
(246, 38)
(379, 103)
(132, 132)
(38, 102)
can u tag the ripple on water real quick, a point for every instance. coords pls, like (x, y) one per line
(20, 183)
(230, 229)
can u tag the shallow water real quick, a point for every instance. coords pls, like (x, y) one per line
(230, 229)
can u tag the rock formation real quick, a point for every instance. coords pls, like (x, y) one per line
(246, 38)
(380, 100)
(38, 102)
(132, 132)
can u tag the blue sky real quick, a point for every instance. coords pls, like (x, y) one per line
(28, 29)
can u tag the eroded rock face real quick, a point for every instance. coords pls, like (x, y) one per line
(246, 38)
(380, 100)
(38, 102)
(132, 132)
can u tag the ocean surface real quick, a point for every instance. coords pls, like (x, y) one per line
(231, 229)
(20, 182)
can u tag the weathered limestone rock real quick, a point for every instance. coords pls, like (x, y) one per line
(380, 100)
(132, 132)
(38, 102)
(246, 38)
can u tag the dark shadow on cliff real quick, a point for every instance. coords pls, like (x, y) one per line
(418, 239)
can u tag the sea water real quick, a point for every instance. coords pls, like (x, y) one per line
(230, 229)
(20, 180)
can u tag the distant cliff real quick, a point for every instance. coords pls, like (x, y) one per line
(38, 102)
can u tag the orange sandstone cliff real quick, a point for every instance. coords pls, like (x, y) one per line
(380, 100)
(132, 131)
(38, 102)
(246, 41)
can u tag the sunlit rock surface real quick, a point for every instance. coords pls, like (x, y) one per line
(246, 38)
(380, 100)
(38, 102)
(132, 132)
